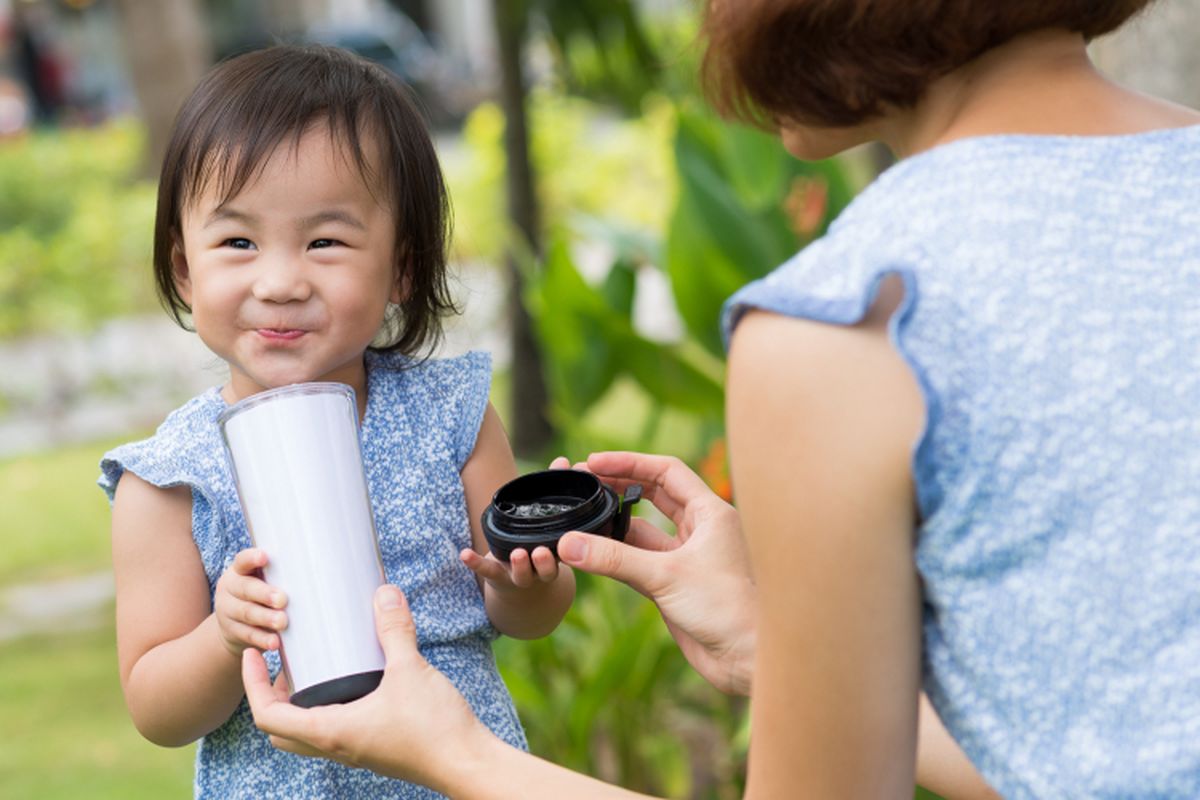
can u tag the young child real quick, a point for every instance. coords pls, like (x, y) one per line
(302, 223)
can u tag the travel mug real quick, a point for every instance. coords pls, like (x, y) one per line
(297, 463)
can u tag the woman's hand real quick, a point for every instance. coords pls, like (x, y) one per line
(247, 608)
(700, 578)
(415, 726)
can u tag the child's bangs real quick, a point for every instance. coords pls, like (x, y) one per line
(235, 152)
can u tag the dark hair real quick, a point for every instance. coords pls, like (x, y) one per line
(249, 105)
(842, 62)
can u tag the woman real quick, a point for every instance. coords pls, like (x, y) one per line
(963, 424)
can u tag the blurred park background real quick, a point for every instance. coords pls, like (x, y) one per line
(602, 214)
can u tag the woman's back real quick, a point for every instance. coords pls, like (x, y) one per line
(1053, 319)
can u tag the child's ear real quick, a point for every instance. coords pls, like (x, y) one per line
(402, 288)
(180, 272)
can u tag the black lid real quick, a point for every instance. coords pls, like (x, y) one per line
(535, 510)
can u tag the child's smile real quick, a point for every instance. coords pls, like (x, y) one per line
(289, 280)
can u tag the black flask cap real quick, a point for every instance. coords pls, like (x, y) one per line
(535, 510)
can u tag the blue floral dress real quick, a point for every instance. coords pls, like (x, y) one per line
(419, 429)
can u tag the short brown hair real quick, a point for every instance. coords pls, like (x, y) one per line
(249, 105)
(842, 62)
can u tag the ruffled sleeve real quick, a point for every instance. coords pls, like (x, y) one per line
(185, 451)
(835, 280)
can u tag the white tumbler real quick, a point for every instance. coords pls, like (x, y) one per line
(297, 464)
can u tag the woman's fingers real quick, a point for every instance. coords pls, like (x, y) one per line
(394, 624)
(600, 555)
(646, 536)
(667, 482)
(273, 713)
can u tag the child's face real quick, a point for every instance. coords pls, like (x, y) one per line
(290, 279)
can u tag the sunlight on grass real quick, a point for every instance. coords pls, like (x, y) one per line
(54, 518)
(66, 731)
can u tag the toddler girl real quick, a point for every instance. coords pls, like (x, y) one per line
(301, 226)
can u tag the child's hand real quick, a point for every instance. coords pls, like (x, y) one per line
(521, 572)
(247, 607)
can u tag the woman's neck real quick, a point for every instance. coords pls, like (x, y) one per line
(1039, 83)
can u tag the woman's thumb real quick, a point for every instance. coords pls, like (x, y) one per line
(603, 556)
(394, 623)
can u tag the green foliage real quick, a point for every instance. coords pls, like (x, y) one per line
(589, 341)
(608, 51)
(590, 164)
(76, 236)
(742, 207)
(609, 694)
(732, 222)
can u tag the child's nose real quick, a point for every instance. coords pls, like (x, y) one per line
(281, 280)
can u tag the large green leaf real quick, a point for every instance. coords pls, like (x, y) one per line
(571, 321)
(670, 379)
(602, 48)
(589, 339)
(733, 220)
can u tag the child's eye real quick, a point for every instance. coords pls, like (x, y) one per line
(238, 243)
(320, 244)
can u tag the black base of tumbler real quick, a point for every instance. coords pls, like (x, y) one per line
(338, 690)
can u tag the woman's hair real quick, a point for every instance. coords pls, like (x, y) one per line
(251, 104)
(837, 63)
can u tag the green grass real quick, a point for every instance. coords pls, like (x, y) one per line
(54, 518)
(66, 732)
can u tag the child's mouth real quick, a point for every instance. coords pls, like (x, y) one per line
(280, 334)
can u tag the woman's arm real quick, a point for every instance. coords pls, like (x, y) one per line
(179, 679)
(529, 597)
(942, 766)
(822, 421)
(415, 726)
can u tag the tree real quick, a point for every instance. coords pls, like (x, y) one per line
(627, 69)
(531, 429)
(168, 49)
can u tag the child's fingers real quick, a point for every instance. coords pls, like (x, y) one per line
(257, 616)
(487, 568)
(250, 636)
(545, 565)
(520, 569)
(254, 590)
(562, 462)
(249, 560)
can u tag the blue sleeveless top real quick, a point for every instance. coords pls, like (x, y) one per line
(1052, 318)
(418, 431)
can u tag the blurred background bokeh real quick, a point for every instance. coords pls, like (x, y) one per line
(602, 214)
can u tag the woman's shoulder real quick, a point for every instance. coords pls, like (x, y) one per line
(955, 180)
(976, 203)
